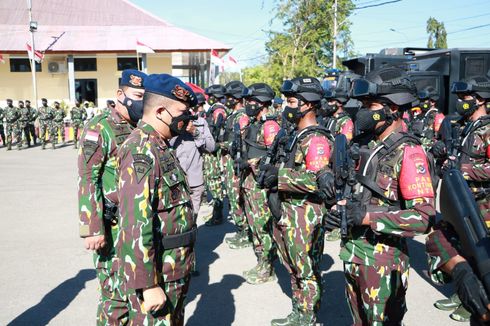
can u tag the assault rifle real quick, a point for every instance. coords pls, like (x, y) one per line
(344, 163)
(271, 155)
(236, 147)
(458, 207)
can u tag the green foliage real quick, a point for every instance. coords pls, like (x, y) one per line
(437, 34)
(226, 77)
(305, 46)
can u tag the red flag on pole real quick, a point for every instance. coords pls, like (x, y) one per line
(143, 48)
(38, 56)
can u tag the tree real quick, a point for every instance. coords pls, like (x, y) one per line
(437, 34)
(305, 45)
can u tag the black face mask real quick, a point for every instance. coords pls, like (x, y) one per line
(466, 108)
(178, 125)
(231, 102)
(135, 108)
(9, 105)
(366, 121)
(293, 115)
(252, 110)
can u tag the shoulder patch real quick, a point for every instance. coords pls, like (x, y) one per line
(318, 153)
(142, 165)
(89, 147)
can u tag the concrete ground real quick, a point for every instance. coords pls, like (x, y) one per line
(47, 276)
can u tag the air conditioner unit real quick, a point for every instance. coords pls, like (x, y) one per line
(57, 67)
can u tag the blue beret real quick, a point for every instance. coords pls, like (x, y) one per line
(277, 100)
(133, 78)
(171, 87)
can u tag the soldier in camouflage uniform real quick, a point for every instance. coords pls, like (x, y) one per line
(2, 130)
(258, 136)
(57, 125)
(78, 116)
(156, 240)
(30, 123)
(393, 201)
(12, 116)
(298, 231)
(216, 117)
(97, 185)
(473, 158)
(45, 114)
(234, 94)
(23, 123)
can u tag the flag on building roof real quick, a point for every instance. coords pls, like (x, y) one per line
(232, 61)
(38, 56)
(143, 48)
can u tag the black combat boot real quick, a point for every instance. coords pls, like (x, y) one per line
(217, 217)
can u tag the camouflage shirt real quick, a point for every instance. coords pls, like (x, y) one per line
(58, 115)
(12, 114)
(344, 125)
(45, 113)
(383, 242)
(78, 114)
(97, 169)
(154, 202)
(32, 114)
(297, 185)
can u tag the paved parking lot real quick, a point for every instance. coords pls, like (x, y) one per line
(47, 276)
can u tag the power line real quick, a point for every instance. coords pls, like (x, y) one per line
(377, 4)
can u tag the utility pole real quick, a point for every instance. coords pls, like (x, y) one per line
(32, 29)
(334, 60)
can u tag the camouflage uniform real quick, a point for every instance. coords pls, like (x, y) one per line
(232, 182)
(2, 131)
(78, 116)
(442, 244)
(23, 124)
(97, 186)
(57, 126)
(376, 261)
(340, 123)
(30, 124)
(12, 129)
(155, 205)
(45, 120)
(299, 233)
(256, 208)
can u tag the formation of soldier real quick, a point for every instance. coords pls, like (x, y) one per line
(289, 174)
(18, 123)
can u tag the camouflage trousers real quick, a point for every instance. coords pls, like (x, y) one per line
(172, 312)
(12, 130)
(214, 174)
(376, 294)
(232, 185)
(300, 245)
(259, 219)
(77, 127)
(112, 305)
(44, 129)
(55, 128)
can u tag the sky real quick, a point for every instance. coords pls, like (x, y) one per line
(242, 24)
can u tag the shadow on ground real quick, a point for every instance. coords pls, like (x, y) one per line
(55, 301)
(216, 305)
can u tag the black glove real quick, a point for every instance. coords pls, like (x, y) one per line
(355, 212)
(332, 220)
(271, 175)
(439, 150)
(326, 185)
(242, 164)
(469, 289)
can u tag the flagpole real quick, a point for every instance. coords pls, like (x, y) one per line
(33, 55)
(209, 72)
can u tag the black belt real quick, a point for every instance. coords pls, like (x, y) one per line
(180, 240)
